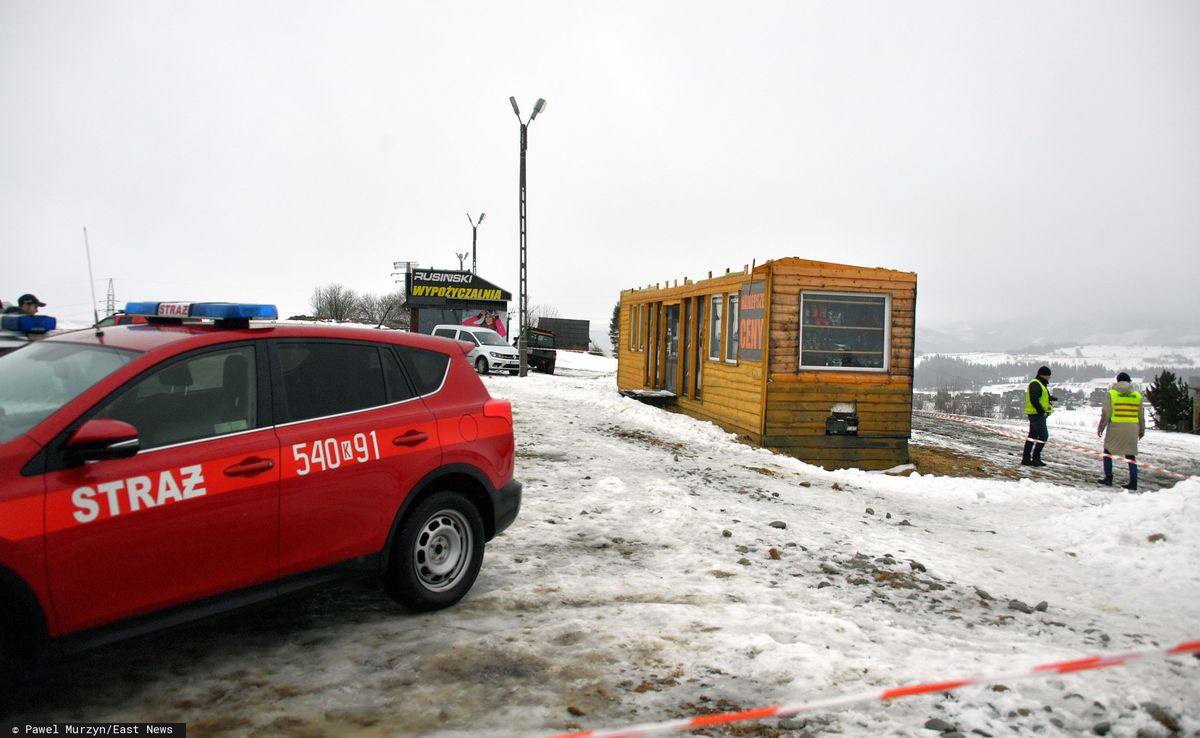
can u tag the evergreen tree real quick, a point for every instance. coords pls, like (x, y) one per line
(614, 328)
(1170, 402)
(943, 402)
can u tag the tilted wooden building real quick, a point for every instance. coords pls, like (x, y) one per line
(807, 357)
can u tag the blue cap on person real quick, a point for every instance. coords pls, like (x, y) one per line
(1123, 377)
(25, 298)
(1044, 371)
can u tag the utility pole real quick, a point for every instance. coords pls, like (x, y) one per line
(407, 266)
(461, 258)
(110, 303)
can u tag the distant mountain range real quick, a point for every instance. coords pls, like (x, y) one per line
(1045, 335)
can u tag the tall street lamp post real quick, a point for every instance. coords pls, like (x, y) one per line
(522, 343)
(474, 228)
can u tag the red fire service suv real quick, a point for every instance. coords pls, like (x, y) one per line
(155, 473)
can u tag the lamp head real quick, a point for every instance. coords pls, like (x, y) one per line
(516, 110)
(538, 107)
(482, 216)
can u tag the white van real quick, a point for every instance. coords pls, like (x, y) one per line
(491, 352)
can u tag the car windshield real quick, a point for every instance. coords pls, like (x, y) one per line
(42, 377)
(489, 338)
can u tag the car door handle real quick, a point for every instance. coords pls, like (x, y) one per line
(412, 438)
(249, 467)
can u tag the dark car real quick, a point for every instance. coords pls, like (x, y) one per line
(156, 473)
(540, 351)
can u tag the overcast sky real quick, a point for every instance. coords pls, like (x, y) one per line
(1024, 158)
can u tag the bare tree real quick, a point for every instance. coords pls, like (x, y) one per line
(317, 300)
(334, 302)
(384, 309)
(541, 310)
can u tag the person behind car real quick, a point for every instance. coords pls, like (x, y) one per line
(27, 304)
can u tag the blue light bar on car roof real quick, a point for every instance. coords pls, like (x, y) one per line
(29, 323)
(203, 310)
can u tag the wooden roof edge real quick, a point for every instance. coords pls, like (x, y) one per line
(763, 268)
(818, 263)
(688, 282)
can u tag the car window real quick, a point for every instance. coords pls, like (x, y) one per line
(468, 336)
(426, 368)
(200, 396)
(398, 385)
(489, 338)
(444, 332)
(326, 378)
(44, 376)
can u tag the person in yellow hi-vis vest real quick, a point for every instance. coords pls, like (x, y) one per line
(1124, 419)
(1037, 409)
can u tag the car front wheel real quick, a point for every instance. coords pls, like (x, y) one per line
(15, 657)
(481, 365)
(437, 553)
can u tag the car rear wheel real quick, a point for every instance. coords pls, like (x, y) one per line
(437, 553)
(481, 365)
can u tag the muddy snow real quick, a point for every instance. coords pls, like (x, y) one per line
(660, 569)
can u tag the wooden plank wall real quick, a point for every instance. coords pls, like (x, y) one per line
(729, 397)
(730, 393)
(631, 365)
(798, 402)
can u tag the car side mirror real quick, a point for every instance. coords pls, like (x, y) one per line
(101, 439)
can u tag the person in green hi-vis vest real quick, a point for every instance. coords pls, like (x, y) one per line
(1037, 409)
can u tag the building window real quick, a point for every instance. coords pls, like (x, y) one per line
(714, 331)
(731, 333)
(844, 331)
(699, 346)
(633, 327)
(685, 346)
(641, 327)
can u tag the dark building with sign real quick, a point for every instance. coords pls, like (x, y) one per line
(807, 357)
(569, 334)
(437, 296)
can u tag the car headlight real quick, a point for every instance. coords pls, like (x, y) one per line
(496, 355)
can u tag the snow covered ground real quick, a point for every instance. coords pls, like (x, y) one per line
(660, 569)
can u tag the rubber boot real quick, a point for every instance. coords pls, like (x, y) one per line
(1037, 455)
(1132, 486)
(1108, 474)
(1025, 453)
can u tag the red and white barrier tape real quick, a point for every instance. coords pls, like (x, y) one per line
(1081, 449)
(707, 721)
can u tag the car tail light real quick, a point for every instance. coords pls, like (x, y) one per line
(498, 409)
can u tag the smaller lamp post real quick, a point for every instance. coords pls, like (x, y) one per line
(474, 229)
